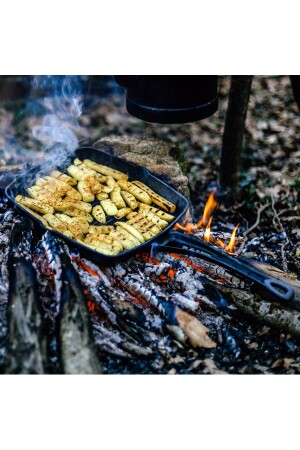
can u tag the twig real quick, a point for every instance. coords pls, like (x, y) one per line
(287, 241)
(256, 223)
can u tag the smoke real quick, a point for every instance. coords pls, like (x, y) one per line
(62, 102)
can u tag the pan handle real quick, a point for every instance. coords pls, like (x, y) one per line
(279, 289)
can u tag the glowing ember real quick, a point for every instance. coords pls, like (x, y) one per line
(231, 245)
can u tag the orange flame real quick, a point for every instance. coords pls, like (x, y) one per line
(207, 234)
(210, 206)
(230, 247)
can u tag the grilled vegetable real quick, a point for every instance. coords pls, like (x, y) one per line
(78, 221)
(135, 190)
(100, 247)
(62, 205)
(99, 214)
(129, 199)
(102, 196)
(162, 214)
(63, 177)
(100, 229)
(74, 212)
(69, 190)
(126, 239)
(55, 223)
(104, 239)
(105, 170)
(36, 205)
(109, 207)
(117, 199)
(131, 230)
(122, 213)
(85, 191)
(157, 199)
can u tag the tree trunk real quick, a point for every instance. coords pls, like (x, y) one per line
(234, 132)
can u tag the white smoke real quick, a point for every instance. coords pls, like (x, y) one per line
(63, 105)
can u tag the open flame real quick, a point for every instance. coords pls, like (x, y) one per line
(205, 223)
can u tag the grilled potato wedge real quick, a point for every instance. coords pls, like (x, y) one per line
(102, 196)
(63, 177)
(69, 190)
(99, 214)
(156, 198)
(122, 213)
(126, 241)
(66, 203)
(74, 212)
(100, 229)
(162, 214)
(117, 199)
(77, 221)
(138, 193)
(103, 238)
(55, 223)
(36, 205)
(85, 191)
(105, 170)
(100, 247)
(109, 207)
(131, 230)
(129, 199)
(154, 218)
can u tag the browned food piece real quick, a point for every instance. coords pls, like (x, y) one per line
(36, 205)
(156, 198)
(109, 207)
(74, 221)
(61, 205)
(101, 247)
(105, 170)
(69, 190)
(104, 239)
(48, 190)
(63, 177)
(102, 196)
(38, 194)
(100, 229)
(111, 182)
(44, 222)
(74, 212)
(126, 239)
(122, 213)
(55, 223)
(138, 193)
(162, 214)
(129, 199)
(143, 226)
(85, 191)
(117, 199)
(131, 230)
(154, 218)
(97, 188)
(99, 214)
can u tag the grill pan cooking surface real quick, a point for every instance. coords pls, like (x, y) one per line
(21, 183)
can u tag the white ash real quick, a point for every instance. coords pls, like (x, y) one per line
(98, 271)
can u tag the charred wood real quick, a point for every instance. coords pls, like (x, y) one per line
(26, 349)
(76, 348)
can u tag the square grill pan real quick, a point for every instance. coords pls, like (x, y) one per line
(134, 172)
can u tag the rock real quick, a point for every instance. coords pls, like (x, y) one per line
(160, 157)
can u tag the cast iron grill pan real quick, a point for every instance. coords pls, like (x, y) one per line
(134, 172)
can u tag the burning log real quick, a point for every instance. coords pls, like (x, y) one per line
(26, 349)
(76, 348)
(239, 292)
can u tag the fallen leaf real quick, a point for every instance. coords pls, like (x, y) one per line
(195, 331)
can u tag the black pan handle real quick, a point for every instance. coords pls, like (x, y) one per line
(275, 289)
(279, 289)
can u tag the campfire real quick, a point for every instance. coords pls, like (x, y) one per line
(166, 310)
